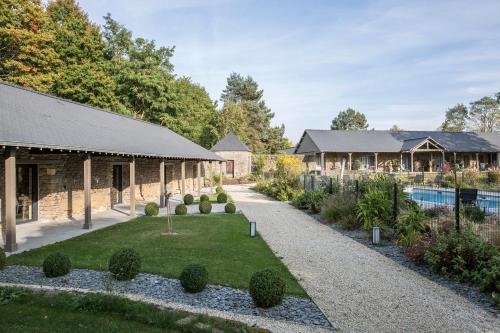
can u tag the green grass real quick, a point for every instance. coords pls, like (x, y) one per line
(25, 311)
(212, 198)
(220, 242)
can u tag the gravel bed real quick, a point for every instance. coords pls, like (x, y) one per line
(296, 309)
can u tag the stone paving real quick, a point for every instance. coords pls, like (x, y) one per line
(358, 289)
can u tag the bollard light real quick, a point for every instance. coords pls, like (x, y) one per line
(253, 229)
(376, 235)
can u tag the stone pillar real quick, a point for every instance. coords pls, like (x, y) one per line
(183, 178)
(162, 183)
(87, 190)
(376, 162)
(198, 174)
(350, 161)
(411, 161)
(10, 200)
(132, 187)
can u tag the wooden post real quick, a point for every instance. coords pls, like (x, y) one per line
(411, 161)
(132, 187)
(323, 168)
(198, 173)
(87, 190)
(350, 161)
(211, 175)
(454, 158)
(442, 164)
(400, 162)
(10, 200)
(183, 178)
(477, 161)
(162, 183)
(376, 162)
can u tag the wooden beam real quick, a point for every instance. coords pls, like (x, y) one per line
(477, 161)
(183, 178)
(198, 173)
(400, 162)
(10, 200)
(132, 187)
(411, 161)
(162, 183)
(376, 162)
(350, 161)
(87, 190)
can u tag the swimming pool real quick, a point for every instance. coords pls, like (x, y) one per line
(446, 197)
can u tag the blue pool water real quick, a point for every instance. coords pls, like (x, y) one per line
(446, 197)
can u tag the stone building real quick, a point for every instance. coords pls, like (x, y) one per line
(63, 160)
(237, 156)
(328, 152)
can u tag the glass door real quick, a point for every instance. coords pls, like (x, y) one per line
(26, 193)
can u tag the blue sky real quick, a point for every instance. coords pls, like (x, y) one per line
(399, 62)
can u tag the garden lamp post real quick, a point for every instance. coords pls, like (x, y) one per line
(253, 228)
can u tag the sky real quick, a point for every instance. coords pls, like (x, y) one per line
(398, 62)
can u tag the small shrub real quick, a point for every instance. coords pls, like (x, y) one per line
(125, 264)
(493, 176)
(474, 214)
(205, 207)
(311, 200)
(410, 226)
(151, 209)
(436, 211)
(222, 198)
(188, 199)
(416, 250)
(56, 264)
(181, 209)
(204, 197)
(219, 190)
(339, 208)
(217, 179)
(3, 259)
(374, 210)
(194, 278)
(230, 208)
(267, 288)
(488, 277)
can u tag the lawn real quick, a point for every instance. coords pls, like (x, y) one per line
(220, 242)
(26, 311)
(213, 198)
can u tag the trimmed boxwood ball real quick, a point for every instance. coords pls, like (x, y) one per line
(205, 207)
(181, 209)
(204, 197)
(267, 288)
(194, 278)
(230, 208)
(125, 264)
(56, 264)
(219, 189)
(151, 209)
(3, 259)
(222, 198)
(188, 199)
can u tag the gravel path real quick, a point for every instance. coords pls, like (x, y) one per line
(358, 289)
(296, 309)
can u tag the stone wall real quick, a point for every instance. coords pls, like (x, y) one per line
(242, 163)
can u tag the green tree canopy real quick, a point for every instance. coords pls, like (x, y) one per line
(485, 115)
(455, 119)
(349, 120)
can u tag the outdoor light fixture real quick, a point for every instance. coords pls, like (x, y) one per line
(376, 235)
(253, 229)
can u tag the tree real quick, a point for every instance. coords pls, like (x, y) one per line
(395, 128)
(497, 95)
(233, 118)
(27, 55)
(456, 119)
(485, 115)
(349, 120)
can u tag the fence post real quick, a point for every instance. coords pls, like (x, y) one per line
(356, 188)
(305, 182)
(457, 209)
(395, 202)
(313, 182)
(331, 185)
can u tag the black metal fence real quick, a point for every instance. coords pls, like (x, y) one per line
(446, 208)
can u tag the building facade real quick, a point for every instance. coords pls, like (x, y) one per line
(237, 156)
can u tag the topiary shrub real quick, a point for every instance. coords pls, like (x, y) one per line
(222, 198)
(267, 288)
(188, 199)
(205, 207)
(204, 197)
(219, 190)
(3, 259)
(56, 264)
(151, 209)
(194, 278)
(125, 264)
(181, 209)
(230, 208)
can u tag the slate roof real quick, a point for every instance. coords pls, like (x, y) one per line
(33, 119)
(386, 141)
(230, 142)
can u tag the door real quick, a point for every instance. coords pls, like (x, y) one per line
(117, 188)
(26, 193)
(230, 168)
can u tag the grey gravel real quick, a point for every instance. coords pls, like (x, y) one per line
(358, 289)
(296, 309)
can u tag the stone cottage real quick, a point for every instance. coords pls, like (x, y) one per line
(237, 156)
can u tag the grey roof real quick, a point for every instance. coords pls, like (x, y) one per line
(33, 119)
(289, 151)
(387, 141)
(230, 143)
